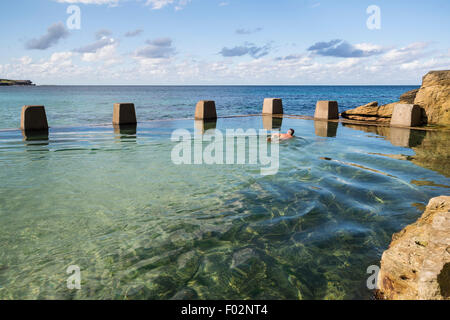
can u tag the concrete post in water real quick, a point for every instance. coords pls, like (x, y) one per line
(33, 118)
(272, 106)
(205, 110)
(406, 115)
(326, 110)
(124, 113)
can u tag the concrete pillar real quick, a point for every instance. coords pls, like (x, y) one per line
(272, 106)
(124, 113)
(406, 115)
(33, 118)
(205, 110)
(272, 123)
(326, 110)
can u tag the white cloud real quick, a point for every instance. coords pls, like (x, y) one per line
(159, 4)
(106, 54)
(154, 4)
(59, 64)
(368, 47)
(110, 2)
(406, 54)
(156, 63)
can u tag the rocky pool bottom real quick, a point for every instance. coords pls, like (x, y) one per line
(141, 227)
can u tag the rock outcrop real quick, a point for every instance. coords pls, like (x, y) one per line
(417, 264)
(6, 82)
(409, 96)
(433, 97)
(370, 112)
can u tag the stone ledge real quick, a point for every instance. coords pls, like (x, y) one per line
(417, 264)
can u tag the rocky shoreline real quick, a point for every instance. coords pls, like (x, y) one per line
(417, 264)
(433, 97)
(6, 82)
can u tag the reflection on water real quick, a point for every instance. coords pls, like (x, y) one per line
(404, 137)
(201, 126)
(125, 129)
(428, 183)
(325, 128)
(432, 148)
(401, 137)
(141, 227)
(125, 132)
(271, 122)
(35, 135)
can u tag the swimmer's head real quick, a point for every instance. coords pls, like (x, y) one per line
(291, 132)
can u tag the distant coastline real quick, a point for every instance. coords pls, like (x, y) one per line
(6, 82)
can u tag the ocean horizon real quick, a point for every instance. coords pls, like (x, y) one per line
(84, 105)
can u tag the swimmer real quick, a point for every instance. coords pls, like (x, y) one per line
(282, 136)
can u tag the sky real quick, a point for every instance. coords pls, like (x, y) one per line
(223, 42)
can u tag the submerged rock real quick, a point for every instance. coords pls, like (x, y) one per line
(417, 264)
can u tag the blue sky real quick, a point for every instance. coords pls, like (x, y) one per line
(223, 41)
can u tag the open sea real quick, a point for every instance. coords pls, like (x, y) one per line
(84, 105)
(112, 202)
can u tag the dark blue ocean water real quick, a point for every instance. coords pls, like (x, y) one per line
(83, 105)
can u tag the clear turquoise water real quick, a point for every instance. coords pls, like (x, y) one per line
(83, 105)
(141, 227)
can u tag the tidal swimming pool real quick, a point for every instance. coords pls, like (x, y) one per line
(141, 227)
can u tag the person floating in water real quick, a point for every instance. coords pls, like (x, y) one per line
(282, 136)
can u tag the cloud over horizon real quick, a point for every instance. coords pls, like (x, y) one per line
(342, 49)
(246, 49)
(159, 4)
(98, 2)
(54, 33)
(243, 31)
(103, 40)
(153, 4)
(133, 33)
(160, 48)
